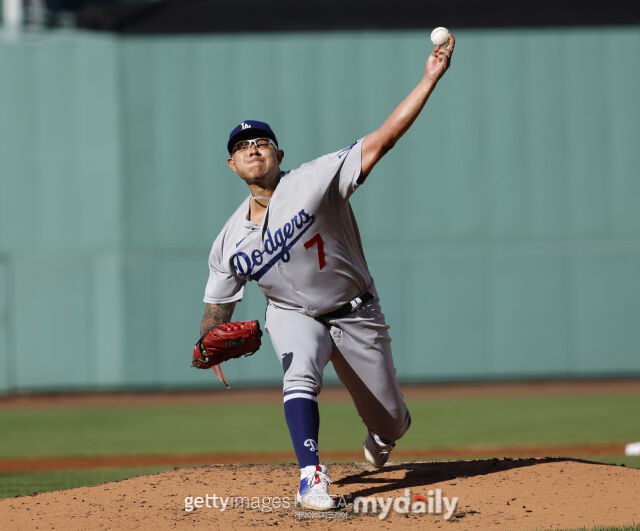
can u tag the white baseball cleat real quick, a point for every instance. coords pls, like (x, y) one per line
(314, 489)
(377, 451)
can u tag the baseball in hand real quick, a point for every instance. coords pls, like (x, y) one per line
(439, 36)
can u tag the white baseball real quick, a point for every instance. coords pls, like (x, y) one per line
(439, 36)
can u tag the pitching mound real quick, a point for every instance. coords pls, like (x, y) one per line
(510, 493)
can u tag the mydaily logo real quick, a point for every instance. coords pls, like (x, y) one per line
(434, 503)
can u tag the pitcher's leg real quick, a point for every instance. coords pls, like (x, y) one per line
(364, 364)
(303, 346)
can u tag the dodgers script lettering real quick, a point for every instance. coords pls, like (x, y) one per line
(276, 247)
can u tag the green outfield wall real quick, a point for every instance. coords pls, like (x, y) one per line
(503, 230)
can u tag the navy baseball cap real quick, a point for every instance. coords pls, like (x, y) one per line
(250, 129)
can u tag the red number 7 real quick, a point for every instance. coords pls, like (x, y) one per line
(317, 239)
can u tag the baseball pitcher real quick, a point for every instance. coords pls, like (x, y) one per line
(296, 236)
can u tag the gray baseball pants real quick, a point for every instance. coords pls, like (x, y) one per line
(359, 347)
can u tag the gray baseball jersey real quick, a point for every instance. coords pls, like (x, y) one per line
(307, 254)
(307, 259)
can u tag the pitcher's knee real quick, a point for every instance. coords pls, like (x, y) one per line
(406, 423)
(398, 427)
(302, 382)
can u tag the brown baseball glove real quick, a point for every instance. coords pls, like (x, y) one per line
(224, 342)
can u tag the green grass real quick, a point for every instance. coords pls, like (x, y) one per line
(28, 483)
(437, 423)
(526, 420)
(628, 461)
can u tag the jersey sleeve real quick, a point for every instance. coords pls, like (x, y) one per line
(222, 286)
(341, 169)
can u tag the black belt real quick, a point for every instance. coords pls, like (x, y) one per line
(350, 307)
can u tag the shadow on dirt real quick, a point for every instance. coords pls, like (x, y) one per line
(424, 474)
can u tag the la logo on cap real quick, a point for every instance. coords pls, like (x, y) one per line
(245, 125)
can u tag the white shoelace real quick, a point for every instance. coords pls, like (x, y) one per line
(311, 478)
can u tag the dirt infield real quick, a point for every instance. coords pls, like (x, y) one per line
(511, 493)
(529, 493)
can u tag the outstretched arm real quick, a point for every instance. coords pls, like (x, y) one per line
(376, 144)
(216, 314)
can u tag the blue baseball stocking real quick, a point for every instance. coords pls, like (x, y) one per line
(303, 419)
